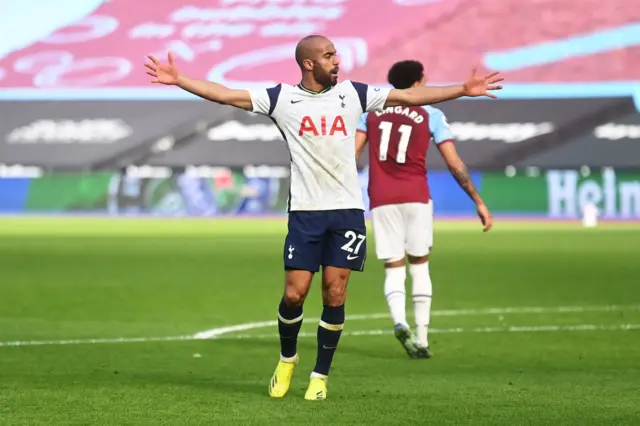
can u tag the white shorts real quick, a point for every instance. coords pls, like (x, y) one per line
(401, 229)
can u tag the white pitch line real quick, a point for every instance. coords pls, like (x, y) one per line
(217, 332)
(94, 341)
(536, 310)
(513, 329)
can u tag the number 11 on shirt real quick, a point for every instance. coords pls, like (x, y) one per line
(405, 135)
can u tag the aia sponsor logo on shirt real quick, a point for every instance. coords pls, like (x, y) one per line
(320, 127)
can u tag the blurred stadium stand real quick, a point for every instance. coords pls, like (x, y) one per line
(76, 98)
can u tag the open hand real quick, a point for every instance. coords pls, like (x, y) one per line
(485, 217)
(480, 86)
(163, 73)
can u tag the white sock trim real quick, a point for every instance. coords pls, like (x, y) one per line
(288, 359)
(315, 375)
(290, 321)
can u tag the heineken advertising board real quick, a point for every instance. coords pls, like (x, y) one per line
(264, 190)
(617, 195)
(564, 193)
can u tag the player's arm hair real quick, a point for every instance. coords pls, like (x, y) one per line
(217, 93)
(459, 170)
(423, 95)
(361, 142)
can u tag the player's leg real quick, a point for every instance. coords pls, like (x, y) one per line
(422, 297)
(344, 250)
(334, 293)
(389, 231)
(302, 255)
(419, 218)
(296, 288)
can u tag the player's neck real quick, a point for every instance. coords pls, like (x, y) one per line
(312, 86)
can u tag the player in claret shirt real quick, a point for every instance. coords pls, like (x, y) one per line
(318, 119)
(401, 205)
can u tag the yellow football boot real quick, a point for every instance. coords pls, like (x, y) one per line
(281, 380)
(317, 390)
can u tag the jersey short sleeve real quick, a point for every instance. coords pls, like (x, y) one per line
(371, 98)
(439, 126)
(376, 98)
(362, 124)
(264, 101)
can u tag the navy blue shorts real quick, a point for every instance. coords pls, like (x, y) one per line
(328, 238)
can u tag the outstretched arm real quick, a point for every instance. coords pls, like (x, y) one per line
(461, 174)
(215, 92)
(425, 95)
(168, 74)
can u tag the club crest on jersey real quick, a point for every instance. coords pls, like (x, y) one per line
(319, 127)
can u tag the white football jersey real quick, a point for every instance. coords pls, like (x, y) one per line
(320, 129)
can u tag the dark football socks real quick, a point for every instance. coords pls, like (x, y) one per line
(289, 323)
(329, 331)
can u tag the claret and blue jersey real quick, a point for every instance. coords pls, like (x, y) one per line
(436, 120)
(399, 139)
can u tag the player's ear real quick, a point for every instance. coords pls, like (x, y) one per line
(307, 64)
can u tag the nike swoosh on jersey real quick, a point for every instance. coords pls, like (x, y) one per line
(295, 102)
(349, 257)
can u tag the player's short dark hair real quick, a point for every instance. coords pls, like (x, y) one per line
(404, 74)
(302, 48)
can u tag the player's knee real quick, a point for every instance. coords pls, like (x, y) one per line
(294, 293)
(334, 295)
(394, 263)
(296, 287)
(334, 290)
(293, 296)
(418, 260)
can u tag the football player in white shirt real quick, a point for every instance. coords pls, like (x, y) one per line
(318, 119)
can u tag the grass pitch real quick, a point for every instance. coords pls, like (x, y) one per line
(99, 319)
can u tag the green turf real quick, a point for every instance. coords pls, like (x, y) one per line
(95, 278)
